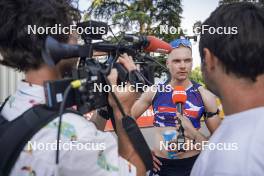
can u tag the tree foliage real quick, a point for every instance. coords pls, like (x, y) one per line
(196, 75)
(141, 17)
(145, 15)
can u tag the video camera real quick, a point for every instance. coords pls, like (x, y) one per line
(91, 72)
(78, 90)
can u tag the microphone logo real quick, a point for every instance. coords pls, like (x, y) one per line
(179, 95)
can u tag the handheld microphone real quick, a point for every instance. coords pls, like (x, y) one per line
(179, 97)
(150, 43)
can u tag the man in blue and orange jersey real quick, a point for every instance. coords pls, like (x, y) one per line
(200, 102)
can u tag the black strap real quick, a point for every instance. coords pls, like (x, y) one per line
(138, 141)
(18, 132)
(206, 114)
(3, 104)
(15, 135)
(2, 119)
(2, 122)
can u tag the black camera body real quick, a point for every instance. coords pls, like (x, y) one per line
(92, 72)
(86, 98)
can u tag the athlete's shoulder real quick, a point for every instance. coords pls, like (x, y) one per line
(205, 92)
(195, 85)
(208, 97)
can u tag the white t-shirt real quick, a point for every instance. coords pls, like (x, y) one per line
(86, 150)
(243, 137)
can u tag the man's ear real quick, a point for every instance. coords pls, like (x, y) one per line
(209, 59)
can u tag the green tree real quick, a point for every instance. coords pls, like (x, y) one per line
(196, 75)
(147, 15)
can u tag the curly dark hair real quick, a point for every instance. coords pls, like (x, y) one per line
(241, 54)
(21, 50)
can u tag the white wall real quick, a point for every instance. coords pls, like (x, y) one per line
(8, 81)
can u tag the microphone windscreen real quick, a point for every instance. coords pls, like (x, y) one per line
(157, 45)
(179, 95)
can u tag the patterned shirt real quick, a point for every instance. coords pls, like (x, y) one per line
(85, 150)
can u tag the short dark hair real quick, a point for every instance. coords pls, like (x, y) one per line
(21, 50)
(243, 53)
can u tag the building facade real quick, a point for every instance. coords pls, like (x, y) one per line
(9, 79)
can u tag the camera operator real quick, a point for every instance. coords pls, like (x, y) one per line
(22, 52)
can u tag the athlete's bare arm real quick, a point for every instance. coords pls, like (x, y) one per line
(142, 104)
(210, 104)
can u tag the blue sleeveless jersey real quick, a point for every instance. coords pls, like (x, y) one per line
(164, 109)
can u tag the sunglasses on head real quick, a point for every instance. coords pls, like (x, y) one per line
(176, 43)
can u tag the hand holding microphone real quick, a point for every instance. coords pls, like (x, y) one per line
(186, 127)
(179, 97)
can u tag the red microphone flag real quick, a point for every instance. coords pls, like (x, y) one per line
(157, 45)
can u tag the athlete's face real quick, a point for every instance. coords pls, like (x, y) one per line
(179, 63)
